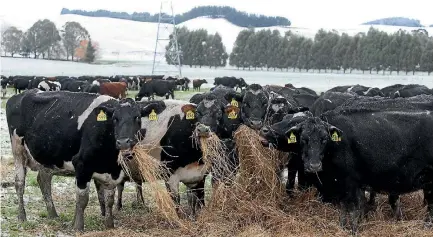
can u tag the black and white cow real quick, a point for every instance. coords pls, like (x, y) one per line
(4, 83)
(47, 85)
(169, 129)
(231, 82)
(385, 149)
(77, 134)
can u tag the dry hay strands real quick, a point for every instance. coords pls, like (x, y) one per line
(259, 166)
(216, 156)
(152, 171)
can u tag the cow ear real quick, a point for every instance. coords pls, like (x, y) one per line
(103, 112)
(335, 133)
(293, 134)
(147, 108)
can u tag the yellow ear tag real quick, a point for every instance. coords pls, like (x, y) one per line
(190, 115)
(234, 103)
(101, 116)
(233, 115)
(153, 116)
(335, 137)
(292, 138)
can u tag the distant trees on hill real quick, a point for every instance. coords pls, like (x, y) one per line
(198, 48)
(396, 21)
(44, 39)
(232, 15)
(374, 51)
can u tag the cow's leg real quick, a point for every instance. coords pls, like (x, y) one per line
(173, 186)
(428, 197)
(101, 198)
(44, 179)
(394, 201)
(291, 176)
(20, 183)
(139, 192)
(198, 197)
(83, 178)
(352, 205)
(109, 202)
(120, 188)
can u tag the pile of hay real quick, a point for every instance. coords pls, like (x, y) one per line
(255, 203)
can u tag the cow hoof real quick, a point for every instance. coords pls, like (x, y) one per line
(22, 218)
(109, 223)
(53, 215)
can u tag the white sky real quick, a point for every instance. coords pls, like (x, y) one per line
(305, 13)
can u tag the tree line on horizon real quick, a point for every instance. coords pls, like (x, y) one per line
(198, 48)
(372, 51)
(232, 15)
(44, 40)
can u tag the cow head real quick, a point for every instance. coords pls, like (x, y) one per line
(213, 116)
(275, 135)
(313, 136)
(242, 83)
(254, 106)
(126, 118)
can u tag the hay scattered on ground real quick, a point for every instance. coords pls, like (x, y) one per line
(255, 204)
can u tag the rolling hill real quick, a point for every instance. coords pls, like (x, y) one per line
(135, 41)
(396, 21)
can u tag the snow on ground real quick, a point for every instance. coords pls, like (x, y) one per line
(135, 41)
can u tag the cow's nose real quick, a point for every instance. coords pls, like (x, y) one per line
(124, 143)
(264, 130)
(256, 124)
(316, 167)
(203, 128)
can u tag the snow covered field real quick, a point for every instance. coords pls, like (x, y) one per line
(135, 41)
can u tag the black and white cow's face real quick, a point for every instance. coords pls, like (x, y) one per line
(275, 135)
(126, 119)
(278, 108)
(242, 83)
(313, 136)
(254, 106)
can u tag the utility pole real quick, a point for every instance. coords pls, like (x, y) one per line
(166, 30)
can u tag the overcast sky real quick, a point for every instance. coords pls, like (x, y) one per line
(308, 13)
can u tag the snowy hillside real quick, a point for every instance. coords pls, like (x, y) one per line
(135, 41)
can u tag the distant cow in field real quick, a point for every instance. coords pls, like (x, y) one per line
(113, 89)
(196, 84)
(49, 85)
(156, 87)
(230, 82)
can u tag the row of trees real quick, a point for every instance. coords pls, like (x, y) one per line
(198, 48)
(232, 15)
(372, 51)
(44, 40)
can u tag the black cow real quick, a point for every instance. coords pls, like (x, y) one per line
(21, 83)
(34, 82)
(390, 90)
(412, 90)
(156, 87)
(47, 85)
(82, 135)
(231, 82)
(196, 84)
(329, 101)
(387, 150)
(74, 85)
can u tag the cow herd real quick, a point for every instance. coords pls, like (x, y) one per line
(348, 140)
